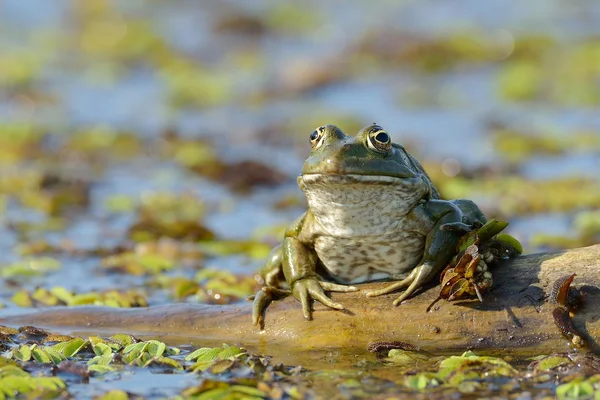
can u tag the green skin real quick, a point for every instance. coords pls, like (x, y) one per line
(370, 153)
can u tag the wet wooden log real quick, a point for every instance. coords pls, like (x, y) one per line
(516, 317)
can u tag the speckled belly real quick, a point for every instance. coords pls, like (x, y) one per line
(370, 258)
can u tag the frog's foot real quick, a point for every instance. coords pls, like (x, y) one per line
(306, 289)
(418, 277)
(261, 301)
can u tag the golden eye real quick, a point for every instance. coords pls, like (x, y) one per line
(379, 140)
(316, 137)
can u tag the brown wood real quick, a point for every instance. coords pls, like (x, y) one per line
(515, 318)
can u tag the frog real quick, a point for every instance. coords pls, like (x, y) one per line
(373, 214)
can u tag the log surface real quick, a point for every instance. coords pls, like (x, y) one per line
(516, 316)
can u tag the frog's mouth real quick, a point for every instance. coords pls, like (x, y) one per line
(308, 179)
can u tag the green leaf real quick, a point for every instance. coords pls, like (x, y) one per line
(64, 295)
(22, 299)
(156, 348)
(509, 240)
(16, 384)
(23, 384)
(230, 352)
(54, 355)
(101, 349)
(490, 229)
(470, 366)
(248, 391)
(70, 348)
(12, 370)
(200, 366)
(132, 352)
(550, 362)
(84, 299)
(169, 362)
(220, 366)
(23, 353)
(44, 296)
(103, 360)
(204, 354)
(574, 390)
(405, 357)
(50, 383)
(123, 339)
(113, 395)
(40, 355)
(212, 394)
(421, 381)
(101, 368)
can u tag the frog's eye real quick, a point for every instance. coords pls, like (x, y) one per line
(379, 140)
(316, 137)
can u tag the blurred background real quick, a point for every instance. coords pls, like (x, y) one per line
(155, 144)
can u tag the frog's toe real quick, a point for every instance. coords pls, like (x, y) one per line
(422, 274)
(307, 289)
(418, 277)
(334, 287)
(394, 286)
(261, 301)
(305, 301)
(322, 297)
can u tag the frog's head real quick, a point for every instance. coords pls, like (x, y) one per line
(370, 153)
(348, 179)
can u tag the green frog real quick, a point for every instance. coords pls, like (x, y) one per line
(373, 214)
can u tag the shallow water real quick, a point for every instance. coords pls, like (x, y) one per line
(261, 90)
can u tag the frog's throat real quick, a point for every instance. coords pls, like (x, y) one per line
(362, 205)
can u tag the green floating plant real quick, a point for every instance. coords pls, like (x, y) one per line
(213, 389)
(218, 359)
(59, 296)
(455, 370)
(113, 395)
(170, 215)
(138, 264)
(221, 248)
(579, 388)
(210, 285)
(14, 380)
(104, 350)
(47, 354)
(30, 267)
(150, 352)
(104, 356)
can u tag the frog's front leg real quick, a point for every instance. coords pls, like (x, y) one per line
(440, 247)
(299, 268)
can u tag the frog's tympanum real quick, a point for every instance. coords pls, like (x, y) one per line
(373, 214)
